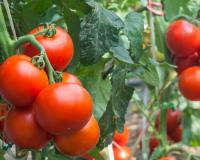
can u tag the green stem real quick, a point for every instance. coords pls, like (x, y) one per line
(163, 130)
(32, 40)
(35, 155)
(5, 40)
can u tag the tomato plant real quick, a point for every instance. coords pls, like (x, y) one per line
(80, 142)
(58, 47)
(3, 113)
(69, 104)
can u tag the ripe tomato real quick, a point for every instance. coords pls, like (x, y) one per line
(122, 153)
(21, 81)
(70, 78)
(184, 63)
(59, 47)
(63, 108)
(183, 38)
(80, 142)
(173, 120)
(189, 83)
(176, 136)
(167, 158)
(122, 138)
(3, 113)
(22, 129)
(153, 143)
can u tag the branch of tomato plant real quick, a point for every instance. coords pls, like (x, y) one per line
(32, 40)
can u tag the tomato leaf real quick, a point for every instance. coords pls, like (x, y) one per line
(99, 32)
(191, 127)
(134, 28)
(99, 89)
(114, 116)
(121, 54)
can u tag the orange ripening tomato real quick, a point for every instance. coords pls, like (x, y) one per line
(183, 38)
(122, 153)
(59, 47)
(63, 108)
(80, 142)
(122, 138)
(189, 83)
(70, 78)
(21, 129)
(21, 81)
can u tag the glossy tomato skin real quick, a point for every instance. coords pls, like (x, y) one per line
(122, 154)
(122, 138)
(189, 83)
(184, 63)
(173, 120)
(22, 129)
(183, 38)
(59, 48)
(80, 142)
(167, 158)
(21, 81)
(70, 78)
(63, 108)
(176, 136)
(3, 112)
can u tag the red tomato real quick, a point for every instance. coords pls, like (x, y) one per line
(63, 108)
(167, 158)
(153, 143)
(183, 38)
(80, 142)
(122, 153)
(189, 83)
(59, 47)
(70, 78)
(176, 136)
(184, 63)
(3, 113)
(173, 120)
(122, 138)
(22, 129)
(21, 81)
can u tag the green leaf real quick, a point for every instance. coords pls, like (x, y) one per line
(99, 32)
(134, 28)
(99, 89)
(114, 116)
(157, 153)
(191, 127)
(95, 153)
(121, 54)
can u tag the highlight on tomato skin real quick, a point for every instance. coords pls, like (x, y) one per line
(21, 129)
(122, 138)
(59, 47)
(80, 142)
(122, 153)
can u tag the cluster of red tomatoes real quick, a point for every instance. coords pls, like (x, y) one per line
(174, 129)
(41, 112)
(183, 41)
